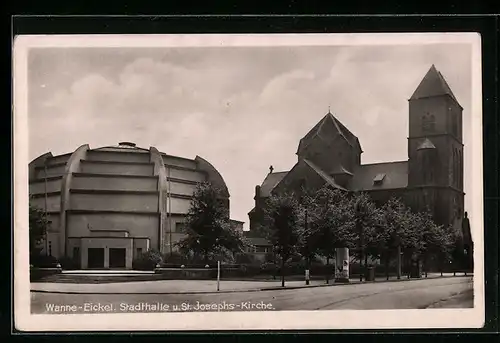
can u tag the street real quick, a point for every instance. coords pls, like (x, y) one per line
(416, 294)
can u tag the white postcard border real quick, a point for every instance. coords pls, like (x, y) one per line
(269, 320)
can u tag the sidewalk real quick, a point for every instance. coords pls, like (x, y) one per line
(460, 300)
(193, 286)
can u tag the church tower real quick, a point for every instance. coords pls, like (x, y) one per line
(435, 150)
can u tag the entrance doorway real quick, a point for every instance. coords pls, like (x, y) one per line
(95, 258)
(117, 257)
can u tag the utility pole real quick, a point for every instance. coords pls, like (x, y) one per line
(308, 260)
(399, 261)
(359, 229)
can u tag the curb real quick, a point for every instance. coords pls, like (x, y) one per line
(276, 288)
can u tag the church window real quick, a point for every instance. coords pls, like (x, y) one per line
(428, 123)
(461, 169)
(180, 227)
(454, 168)
(454, 124)
(456, 208)
(426, 168)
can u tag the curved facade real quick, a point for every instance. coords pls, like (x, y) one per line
(110, 204)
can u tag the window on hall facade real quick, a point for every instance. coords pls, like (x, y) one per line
(428, 123)
(261, 249)
(180, 227)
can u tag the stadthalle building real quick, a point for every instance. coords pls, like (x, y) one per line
(329, 154)
(108, 205)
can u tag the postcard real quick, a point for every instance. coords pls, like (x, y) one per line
(248, 182)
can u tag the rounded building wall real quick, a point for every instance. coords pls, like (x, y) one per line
(105, 198)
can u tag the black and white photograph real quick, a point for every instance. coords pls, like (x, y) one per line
(194, 182)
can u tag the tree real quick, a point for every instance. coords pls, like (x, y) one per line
(281, 216)
(38, 225)
(208, 227)
(436, 240)
(399, 231)
(368, 228)
(330, 220)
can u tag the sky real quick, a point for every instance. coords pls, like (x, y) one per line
(241, 108)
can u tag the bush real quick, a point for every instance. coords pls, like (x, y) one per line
(268, 268)
(175, 258)
(147, 261)
(244, 258)
(269, 257)
(43, 261)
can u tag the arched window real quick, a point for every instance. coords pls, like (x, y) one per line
(454, 124)
(428, 123)
(461, 169)
(432, 123)
(454, 167)
(454, 208)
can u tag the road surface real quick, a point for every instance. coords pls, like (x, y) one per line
(416, 294)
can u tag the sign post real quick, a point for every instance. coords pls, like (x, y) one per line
(342, 265)
(218, 276)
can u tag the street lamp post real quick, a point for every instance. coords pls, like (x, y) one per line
(307, 250)
(398, 258)
(275, 250)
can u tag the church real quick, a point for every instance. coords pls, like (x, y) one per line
(432, 176)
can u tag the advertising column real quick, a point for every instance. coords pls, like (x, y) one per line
(342, 265)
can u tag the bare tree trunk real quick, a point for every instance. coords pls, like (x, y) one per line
(366, 266)
(398, 262)
(361, 267)
(408, 266)
(282, 272)
(387, 258)
(327, 276)
(275, 267)
(426, 265)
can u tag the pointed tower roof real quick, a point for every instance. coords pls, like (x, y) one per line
(433, 84)
(342, 130)
(426, 144)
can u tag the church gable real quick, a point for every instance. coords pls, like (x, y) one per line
(304, 175)
(328, 128)
(271, 180)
